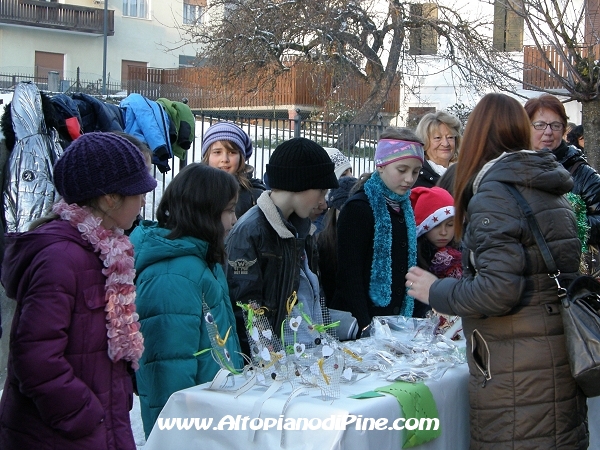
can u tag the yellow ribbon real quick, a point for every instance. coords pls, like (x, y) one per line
(320, 363)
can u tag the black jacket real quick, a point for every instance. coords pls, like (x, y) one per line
(427, 176)
(264, 259)
(356, 230)
(586, 183)
(247, 197)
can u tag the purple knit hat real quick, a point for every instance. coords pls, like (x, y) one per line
(392, 150)
(227, 131)
(98, 163)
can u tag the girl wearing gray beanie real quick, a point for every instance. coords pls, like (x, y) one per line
(75, 337)
(227, 147)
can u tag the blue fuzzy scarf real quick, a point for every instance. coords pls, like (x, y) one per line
(380, 288)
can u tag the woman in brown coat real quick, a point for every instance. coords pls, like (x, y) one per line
(522, 395)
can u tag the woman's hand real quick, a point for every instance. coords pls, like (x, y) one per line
(418, 282)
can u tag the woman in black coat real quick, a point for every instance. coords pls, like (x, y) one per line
(440, 133)
(548, 122)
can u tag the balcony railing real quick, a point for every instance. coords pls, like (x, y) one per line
(300, 86)
(56, 16)
(536, 73)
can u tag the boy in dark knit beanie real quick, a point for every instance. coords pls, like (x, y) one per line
(271, 249)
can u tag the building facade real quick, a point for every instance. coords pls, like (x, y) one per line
(68, 36)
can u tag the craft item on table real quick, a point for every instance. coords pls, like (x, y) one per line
(221, 355)
(315, 355)
(219, 351)
(406, 349)
(267, 354)
(449, 326)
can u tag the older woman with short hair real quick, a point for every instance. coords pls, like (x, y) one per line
(440, 133)
(548, 122)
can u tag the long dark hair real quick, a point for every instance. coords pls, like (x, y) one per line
(192, 205)
(498, 124)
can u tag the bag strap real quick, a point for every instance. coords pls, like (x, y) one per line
(539, 237)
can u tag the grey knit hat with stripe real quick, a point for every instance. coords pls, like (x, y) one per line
(299, 165)
(99, 163)
(227, 131)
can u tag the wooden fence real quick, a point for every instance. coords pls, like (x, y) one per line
(536, 73)
(301, 85)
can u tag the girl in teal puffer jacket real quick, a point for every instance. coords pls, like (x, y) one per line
(179, 265)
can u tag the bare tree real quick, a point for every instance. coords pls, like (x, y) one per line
(380, 42)
(564, 57)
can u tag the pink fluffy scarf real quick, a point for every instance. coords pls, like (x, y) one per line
(116, 253)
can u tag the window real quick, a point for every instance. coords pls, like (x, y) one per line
(193, 12)
(135, 8)
(508, 27)
(423, 39)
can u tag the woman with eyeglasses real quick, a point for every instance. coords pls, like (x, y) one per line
(440, 134)
(548, 123)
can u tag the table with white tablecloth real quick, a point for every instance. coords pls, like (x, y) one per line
(450, 393)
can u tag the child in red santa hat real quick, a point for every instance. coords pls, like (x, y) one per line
(436, 249)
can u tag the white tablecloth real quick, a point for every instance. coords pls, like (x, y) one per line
(450, 394)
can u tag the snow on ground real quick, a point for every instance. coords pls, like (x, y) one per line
(136, 423)
(264, 139)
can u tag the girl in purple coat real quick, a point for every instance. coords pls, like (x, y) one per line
(75, 333)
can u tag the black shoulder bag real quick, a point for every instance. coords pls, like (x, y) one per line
(580, 311)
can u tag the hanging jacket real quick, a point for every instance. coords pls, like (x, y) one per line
(149, 122)
(70, 125)
(185, 126)
(521, 391)
(62, 390)
(28, 192)
(97, 115)
(173, 278)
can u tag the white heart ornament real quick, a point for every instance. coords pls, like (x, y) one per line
(347, 374)
(299, 349)
(295, 323)
(267, 333)
(264, 354)
(254, 334)
(327, 351)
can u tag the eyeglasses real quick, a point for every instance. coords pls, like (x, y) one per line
(541, 126)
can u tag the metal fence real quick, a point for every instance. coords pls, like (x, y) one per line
(8, 81)
(267, 134)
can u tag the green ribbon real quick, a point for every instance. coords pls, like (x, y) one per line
(416, 401)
